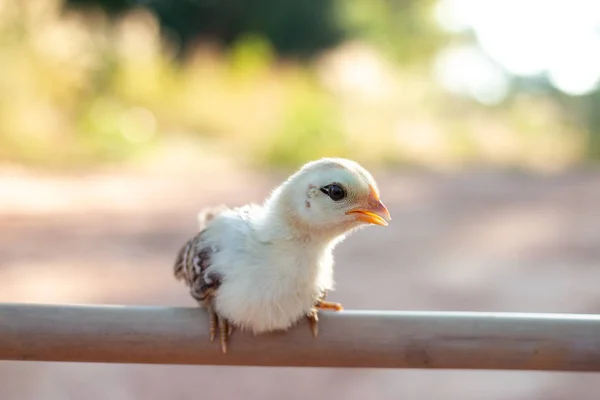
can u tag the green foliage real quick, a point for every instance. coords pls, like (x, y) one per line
(402, 29)
(81, 89)
(309, 129)
(294, 28)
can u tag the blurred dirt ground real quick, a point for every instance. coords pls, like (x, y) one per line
(475, 240)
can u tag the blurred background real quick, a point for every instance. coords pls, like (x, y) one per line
(120, 119)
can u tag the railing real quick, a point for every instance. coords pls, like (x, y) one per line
(373, 339)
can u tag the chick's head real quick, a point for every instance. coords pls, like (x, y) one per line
(336, 194)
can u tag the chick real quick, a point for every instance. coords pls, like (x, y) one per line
(263, 268)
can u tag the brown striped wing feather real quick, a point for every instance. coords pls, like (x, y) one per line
(194, 258)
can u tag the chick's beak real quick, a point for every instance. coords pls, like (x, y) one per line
(374, 212)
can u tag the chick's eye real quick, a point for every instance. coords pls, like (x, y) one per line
(334, 191)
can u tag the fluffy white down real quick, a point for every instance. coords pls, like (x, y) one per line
(268, 280)
(275, 260)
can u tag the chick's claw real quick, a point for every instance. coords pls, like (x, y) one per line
(313, 315)
(225, 330)
(313, 321)
(212, 320)
(328, 305)
(224, 326)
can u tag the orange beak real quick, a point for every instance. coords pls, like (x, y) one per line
(374, 213)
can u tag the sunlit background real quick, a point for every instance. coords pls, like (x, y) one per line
(120, 119)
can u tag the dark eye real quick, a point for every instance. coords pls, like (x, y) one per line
(334, 191)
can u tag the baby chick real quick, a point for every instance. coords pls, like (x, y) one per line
(263, 268)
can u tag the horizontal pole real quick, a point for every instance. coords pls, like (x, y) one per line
(367, 339)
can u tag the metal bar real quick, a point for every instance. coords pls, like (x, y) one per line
(365, 339)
